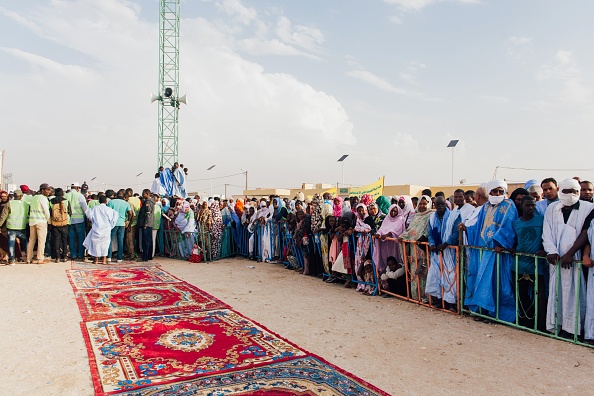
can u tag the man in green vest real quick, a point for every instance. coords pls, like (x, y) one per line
(16, 216)
(76, 231)
(39, 217)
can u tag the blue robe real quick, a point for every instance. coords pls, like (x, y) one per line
(494, 227)
(179, 183)
(444, 230)
(167, 181)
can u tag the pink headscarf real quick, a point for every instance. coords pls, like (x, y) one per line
(393, 225)
(366, 199)
(408, 206)
(337, 208)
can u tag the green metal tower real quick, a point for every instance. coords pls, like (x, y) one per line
(168, 97)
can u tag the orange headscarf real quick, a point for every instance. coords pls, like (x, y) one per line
(239, 208)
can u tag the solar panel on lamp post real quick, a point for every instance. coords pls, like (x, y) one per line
(341, 160)
(210, 168)
(453, 144)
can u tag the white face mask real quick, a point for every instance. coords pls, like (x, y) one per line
(496, 199)
(568, 199)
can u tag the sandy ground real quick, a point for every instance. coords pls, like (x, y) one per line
(400, 347)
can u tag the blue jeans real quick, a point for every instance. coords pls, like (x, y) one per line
(76, 236)
(12, 236)
(147, 243)
(118, 232)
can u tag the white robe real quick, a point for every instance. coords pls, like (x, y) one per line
(466, 211)
(103, 220)
(558, 238)
(157, 188)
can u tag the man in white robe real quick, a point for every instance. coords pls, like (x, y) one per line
(103, 219)
(563, 223)
(460, 206)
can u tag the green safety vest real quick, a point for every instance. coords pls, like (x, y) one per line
(77, 210)
(157, 217)
(37, 214)
(19, 215)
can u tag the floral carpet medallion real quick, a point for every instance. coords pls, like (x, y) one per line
(97, 278)
(301, 376)
(159, 299)
(129, 353)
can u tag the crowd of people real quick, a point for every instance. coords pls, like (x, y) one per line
(533, 242)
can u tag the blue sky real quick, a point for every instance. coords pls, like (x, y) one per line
(283, 88)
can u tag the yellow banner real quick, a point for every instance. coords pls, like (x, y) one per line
(374, 189)
(332, 191)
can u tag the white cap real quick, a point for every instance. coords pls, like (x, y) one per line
(75, 184)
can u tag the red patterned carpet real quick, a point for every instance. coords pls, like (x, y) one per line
(148, 300)
(126, 277)
(149, 333)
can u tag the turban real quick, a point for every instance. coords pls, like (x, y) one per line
(569, 184)
(496, 183)
(24, 188)
(530, 183)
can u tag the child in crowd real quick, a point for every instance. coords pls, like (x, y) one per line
(393, 279)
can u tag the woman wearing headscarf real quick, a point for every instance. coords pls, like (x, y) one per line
(324, 237)
(407, 209)
(383, 204)
(337, 207)
(302, 238)
(263, 216)
(391, 227)
(316, 224)
(417, 254)
(186, 224)
(204, 223)
(216, 229)
(365, 226)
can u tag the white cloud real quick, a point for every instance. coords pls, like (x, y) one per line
(374, 80)
(18, 18)
(256, 46)
(520, 40)
(306, 37)
(566, 70)
(410, 73)
(417, 5)
(236, 9)
(395, 19)
(406, 145)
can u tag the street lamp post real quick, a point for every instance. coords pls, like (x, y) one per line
(453, 144)
(208, 169)
(138, 182)
(341, 160)
(246, 179)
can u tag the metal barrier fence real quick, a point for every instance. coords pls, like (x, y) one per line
(527, 291)
(420, 264)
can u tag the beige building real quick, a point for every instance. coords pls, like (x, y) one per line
(396, 190)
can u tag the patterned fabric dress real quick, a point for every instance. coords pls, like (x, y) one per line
(417, 254)
(216, 229)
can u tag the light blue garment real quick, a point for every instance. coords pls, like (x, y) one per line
(543, 204)
(179, 183)
(494, 227)
(530, 183)
(167, 181)
(443, 230)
